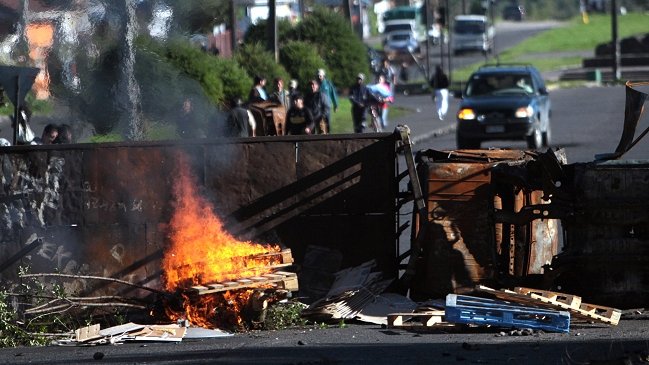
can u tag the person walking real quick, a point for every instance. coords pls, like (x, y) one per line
(329, 90)
(439, 83)
(318, 105)
(383, 90)
(359, 99)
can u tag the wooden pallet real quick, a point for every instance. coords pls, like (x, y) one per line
(280, 279)
(418, 320)
(553, 300)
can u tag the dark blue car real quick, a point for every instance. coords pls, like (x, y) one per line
(504, 102)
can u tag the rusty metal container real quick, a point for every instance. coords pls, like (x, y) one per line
(464, 244)
(606, 251)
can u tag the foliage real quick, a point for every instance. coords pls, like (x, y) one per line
(221, 79)
(284, 315)
(301, 59)
(258, 33)
(343, 52)
(257, 61)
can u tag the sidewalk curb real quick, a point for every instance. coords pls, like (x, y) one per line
(434, 133)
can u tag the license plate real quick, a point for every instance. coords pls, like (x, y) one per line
(495, 129)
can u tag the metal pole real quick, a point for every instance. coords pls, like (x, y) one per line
(616, 46)
(448, 44)
(428, 15)
(16, 107)
(272, 29)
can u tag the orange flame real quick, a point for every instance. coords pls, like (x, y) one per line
(201, 251)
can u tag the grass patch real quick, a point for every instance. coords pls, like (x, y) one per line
(342, 119)
(544, 49)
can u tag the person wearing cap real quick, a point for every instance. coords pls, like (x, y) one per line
(329, 90)
(358, 97)
(240, 122)
(293, 92)
(299, 119)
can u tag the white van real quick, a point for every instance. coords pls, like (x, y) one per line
(472, 33)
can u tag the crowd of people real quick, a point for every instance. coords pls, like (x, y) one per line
(312, 112)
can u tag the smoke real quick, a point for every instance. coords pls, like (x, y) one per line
(96, 73)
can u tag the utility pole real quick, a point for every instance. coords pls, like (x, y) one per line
(233, 25)
(617, 74)
(272, 29)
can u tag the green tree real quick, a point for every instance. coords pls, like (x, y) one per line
(300, 59)
(343, 52)
(254, 58)
(199, 16)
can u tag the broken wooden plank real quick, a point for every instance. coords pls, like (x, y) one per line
(87, 333)
(570, 301)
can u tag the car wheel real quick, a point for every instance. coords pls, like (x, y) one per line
(547, 137)
(535, 140)
(467, 144)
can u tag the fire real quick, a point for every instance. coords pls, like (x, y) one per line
(201, 252)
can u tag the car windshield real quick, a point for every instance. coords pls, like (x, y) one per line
(392, 27)
(469, 27)
(499, 84)
(401, 37)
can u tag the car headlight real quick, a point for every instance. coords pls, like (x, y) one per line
(524, 112)
(466, 114)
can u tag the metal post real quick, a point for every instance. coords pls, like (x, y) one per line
(616, 46)
(428, 15)
(16, 108)
(448, 44)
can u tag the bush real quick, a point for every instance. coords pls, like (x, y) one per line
(343, 52)
(257, 61)
(301, 59)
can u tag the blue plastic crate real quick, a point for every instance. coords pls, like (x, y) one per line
(481, 311)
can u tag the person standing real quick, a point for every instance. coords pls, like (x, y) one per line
(318, 105)
(293, 92)
(50, 132)
(258, 93)
(329, 90)
(281, 95)
(299, 119)
(240, 122)
(440, 84)
(387, 71)
(359, 98)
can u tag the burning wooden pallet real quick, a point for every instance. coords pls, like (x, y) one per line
(548, 299)
(277, 279)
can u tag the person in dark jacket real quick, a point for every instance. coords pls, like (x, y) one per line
(258, 92)
(439, 83)
(359, 98)
(240, 122)
(299, 119)
(318, 105)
